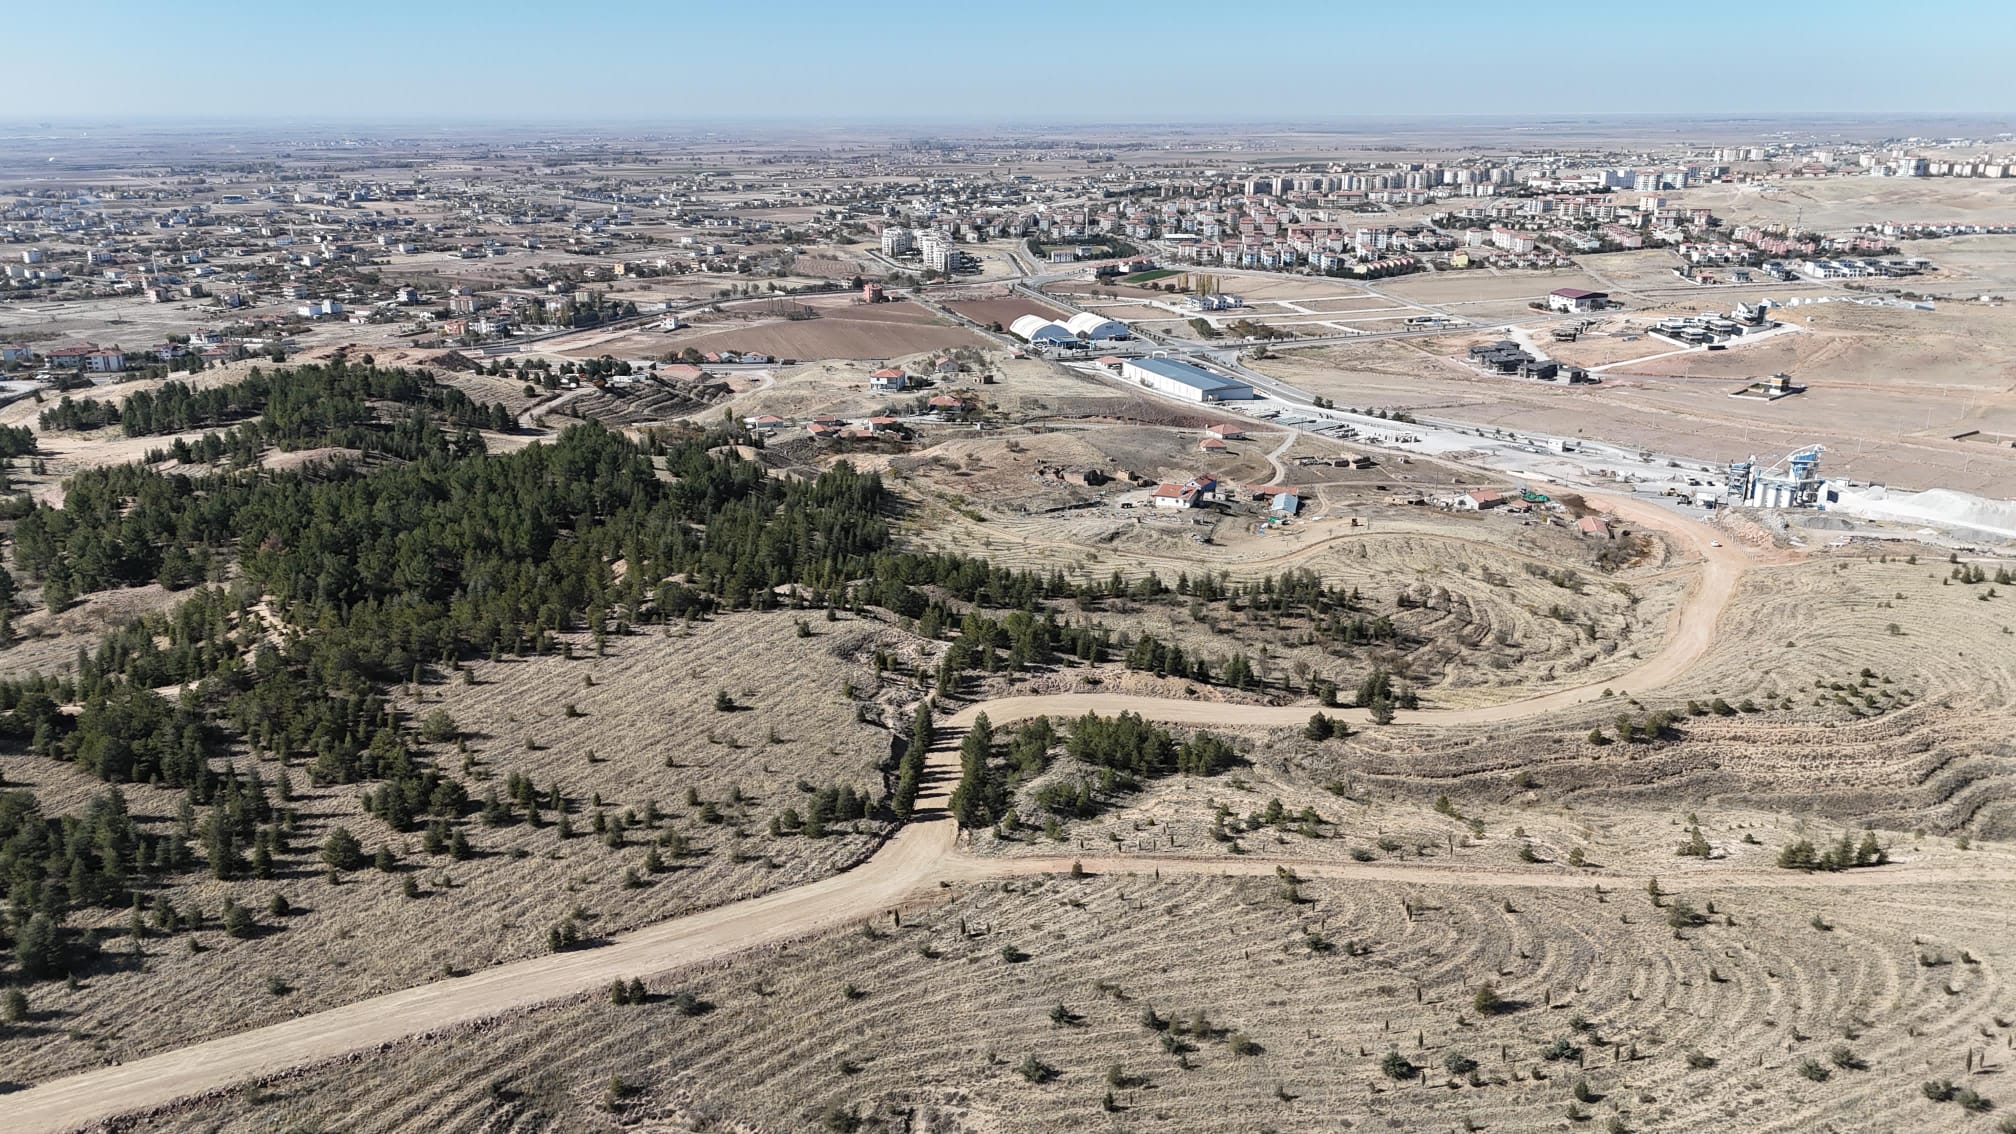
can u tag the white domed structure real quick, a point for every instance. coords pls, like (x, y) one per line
(1037, 329)
(1087, 325)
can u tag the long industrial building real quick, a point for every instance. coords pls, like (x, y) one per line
(1182, 380)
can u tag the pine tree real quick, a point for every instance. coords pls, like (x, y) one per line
(342, 851)
(38, 949)
(971, 800)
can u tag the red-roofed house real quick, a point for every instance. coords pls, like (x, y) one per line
(1189, 494)
(888, 380)
(1226, 431)
(1593, 526)
(1211, 445)
(1477, 501)
(947, 402)
(72, 355)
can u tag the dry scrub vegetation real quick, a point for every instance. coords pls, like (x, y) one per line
(1197, 1003)
(619, 736)
(1485, 614)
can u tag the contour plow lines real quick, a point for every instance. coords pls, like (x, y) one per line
(912, 863)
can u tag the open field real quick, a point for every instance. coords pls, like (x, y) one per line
(1021, 387)
(1836, 203)
(1887, 389)
(842, 330)
(1006, 309)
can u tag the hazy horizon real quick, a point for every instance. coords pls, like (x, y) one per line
(1046, 62)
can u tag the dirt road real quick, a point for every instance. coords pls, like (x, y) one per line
(916, 859)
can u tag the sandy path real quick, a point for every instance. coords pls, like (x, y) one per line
(913, 862)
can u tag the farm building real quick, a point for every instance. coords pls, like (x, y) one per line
(1576, 301)
(1088, 326)
(1190, 494)
(1036, 329)
(1182, 380)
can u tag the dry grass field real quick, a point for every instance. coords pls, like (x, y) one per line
(1836, 203)
(645, 733)
(843, 330)
(1494, 609)
(1186, 983)
(1206, 1003)
(1021, 387)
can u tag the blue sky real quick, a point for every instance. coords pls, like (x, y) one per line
(1019, 61)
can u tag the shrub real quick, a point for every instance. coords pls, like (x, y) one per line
(1561, 1049)
(238, 920)
(1395, 1066)
(1035, 1070)
(1812, 1069)
(1457, 1063)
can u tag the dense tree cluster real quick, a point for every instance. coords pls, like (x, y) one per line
(300, 401)
(1119, 752)
(1843, 855)
(343, 583)
(84, 413)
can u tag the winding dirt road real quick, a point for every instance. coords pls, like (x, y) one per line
(914, 861)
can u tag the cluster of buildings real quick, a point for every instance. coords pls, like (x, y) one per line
(1849, 269)
(937, 249)
(91, 358)
(1508, 357)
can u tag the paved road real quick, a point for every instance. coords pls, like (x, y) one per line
(910, 864)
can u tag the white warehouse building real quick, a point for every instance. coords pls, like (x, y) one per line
(1182, 380)
(1089, 326)
(1037, 329)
